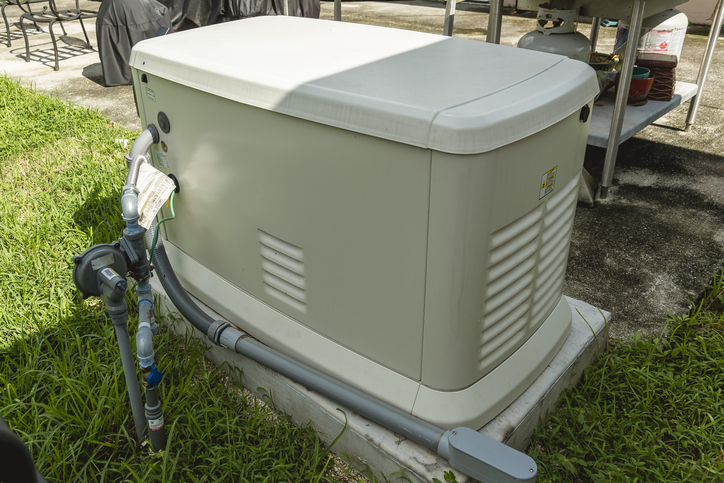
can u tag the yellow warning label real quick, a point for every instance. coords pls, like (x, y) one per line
(548, 182)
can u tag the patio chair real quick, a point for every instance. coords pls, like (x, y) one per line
(50, 15)
(24, 6)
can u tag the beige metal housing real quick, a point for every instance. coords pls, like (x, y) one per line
(390, 207)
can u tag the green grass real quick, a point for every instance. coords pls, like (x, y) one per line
(648, 410)
(61, 382)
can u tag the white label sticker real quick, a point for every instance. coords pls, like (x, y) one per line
(150, 94)
(155, 424)
(109, 273)
(154, 189)
(548, 182)
(162, 159)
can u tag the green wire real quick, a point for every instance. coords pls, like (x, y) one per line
(155, 232)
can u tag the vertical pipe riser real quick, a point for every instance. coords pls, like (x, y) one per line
(129, 371)
(154, 416)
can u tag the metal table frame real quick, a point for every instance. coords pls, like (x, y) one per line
(495, 20)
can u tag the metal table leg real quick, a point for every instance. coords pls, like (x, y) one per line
(338, 10)
(705, 63)
(447, 28)
(619, 110)
(595, 24)
(495, 21)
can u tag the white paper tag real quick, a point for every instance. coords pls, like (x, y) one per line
(154, 189)
(155, 424)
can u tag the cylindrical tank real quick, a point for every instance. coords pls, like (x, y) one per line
(663, 33)
(556, 33)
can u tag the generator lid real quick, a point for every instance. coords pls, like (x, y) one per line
(448, 94)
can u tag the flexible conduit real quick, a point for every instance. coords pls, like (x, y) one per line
(378, 411)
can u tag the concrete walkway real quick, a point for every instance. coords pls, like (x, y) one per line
(654, 243)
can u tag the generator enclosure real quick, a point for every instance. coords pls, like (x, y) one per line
(390, 207)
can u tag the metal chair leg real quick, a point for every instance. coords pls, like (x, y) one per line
(55, 46)
(25, 36)
(7, 25)
(87, 40)
(62, 27)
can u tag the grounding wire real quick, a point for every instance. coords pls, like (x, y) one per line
(155, 232)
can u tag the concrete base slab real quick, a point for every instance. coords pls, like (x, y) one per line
(370, 446)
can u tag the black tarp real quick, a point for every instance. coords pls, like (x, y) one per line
(254, 8)
(187, 14)
(123, 23)
(120, 25)
(298, 8)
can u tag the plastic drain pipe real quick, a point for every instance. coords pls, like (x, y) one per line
(466, 450)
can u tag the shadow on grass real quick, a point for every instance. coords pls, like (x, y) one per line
(100, 215)
(66, 398)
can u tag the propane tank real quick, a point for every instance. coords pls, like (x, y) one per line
(556, 33)
(663, 33)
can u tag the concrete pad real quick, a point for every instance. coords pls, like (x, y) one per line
(369, 445)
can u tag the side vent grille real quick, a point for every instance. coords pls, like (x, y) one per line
(282, 266)
(527, 264)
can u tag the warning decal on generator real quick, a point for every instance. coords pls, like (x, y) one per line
(547, 182)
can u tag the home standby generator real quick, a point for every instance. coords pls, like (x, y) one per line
(390, 207)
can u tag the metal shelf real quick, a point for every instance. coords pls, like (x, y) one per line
(636, 118)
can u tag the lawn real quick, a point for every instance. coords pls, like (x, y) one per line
(61, 382)
(647, 410)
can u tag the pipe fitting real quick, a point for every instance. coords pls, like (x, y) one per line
(129, 206)
(154, 416)
(230, 336)
(133, 170)
(144, 345)
(145, 296)
(144, 293)
(215, 330)
(143, 143)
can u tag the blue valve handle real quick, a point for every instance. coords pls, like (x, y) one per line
(155, 377)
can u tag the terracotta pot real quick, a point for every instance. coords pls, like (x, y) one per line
(639, 89)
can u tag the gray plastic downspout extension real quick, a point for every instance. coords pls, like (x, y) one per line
(468, 451)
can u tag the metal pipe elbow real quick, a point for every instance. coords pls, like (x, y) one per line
(144, 345)
(129, 205)
(142, 144)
